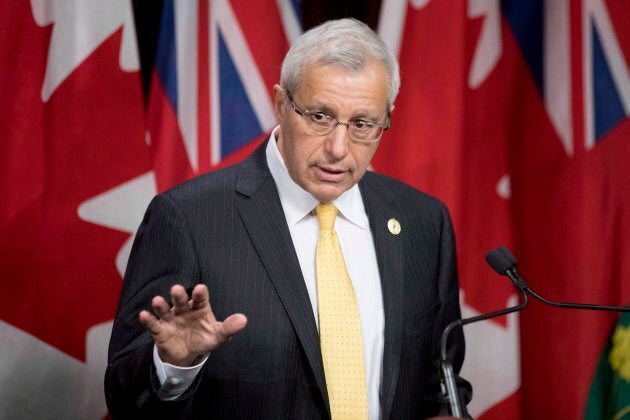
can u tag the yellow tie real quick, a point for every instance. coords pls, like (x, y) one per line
(339, 324)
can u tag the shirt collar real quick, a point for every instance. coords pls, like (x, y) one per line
(298, 203)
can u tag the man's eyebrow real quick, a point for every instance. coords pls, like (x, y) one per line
(322, 108)
(325, 109)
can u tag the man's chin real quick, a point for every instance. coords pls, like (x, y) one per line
(327, 193)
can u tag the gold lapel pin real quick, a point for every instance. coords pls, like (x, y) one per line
(393, 226)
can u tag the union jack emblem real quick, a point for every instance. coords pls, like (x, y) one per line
(216, 65)
(577, 62)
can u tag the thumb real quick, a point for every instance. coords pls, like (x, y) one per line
(233, 324)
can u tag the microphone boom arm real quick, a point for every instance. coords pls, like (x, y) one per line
(570, 305)
(449, 387)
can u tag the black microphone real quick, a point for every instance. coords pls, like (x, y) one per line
(504, 263)
(448, 384)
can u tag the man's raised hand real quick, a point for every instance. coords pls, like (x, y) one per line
(188, 331)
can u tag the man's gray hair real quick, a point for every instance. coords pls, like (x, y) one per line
(345, 43)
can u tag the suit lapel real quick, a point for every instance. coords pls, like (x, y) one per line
(264, 220)
(389, 250)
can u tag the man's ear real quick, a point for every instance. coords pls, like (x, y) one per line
(278, 101)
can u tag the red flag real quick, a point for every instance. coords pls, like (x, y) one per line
(433, 146)
(74, 177)
(570, 195)
(517, 116)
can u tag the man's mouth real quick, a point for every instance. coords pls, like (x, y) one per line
(332, 170)
(330, 174)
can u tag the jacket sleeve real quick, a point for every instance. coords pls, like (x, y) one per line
(162, 255)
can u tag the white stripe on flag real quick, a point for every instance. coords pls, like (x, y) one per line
(186, 30)
(290, 22)
(391, 23)
(557, 70)
(246, 67)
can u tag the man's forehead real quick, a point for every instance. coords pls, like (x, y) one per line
(343, 68)
(314, 78)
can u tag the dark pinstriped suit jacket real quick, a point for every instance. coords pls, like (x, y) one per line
(227, 229)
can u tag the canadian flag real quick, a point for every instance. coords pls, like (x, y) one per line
(516, 114)
(75, 180)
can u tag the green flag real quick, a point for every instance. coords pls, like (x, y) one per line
(609, 398)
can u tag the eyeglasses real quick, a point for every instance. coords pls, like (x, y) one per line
(321, 124)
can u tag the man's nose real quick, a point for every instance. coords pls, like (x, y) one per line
(337, 141)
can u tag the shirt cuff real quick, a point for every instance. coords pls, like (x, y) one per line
(174, 380)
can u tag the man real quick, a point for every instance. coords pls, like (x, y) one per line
(248, 237)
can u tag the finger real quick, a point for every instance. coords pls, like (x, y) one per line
(160, 307)
(149, 322)
(179, 298)
(200, 297)
(233, 324)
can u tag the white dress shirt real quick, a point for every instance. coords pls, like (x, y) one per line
(353, 229)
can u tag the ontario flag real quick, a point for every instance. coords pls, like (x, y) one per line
(75, 180)
(212, 89)
(516, 114)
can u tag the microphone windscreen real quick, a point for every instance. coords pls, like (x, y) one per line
(498, 262)
(507, 255)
